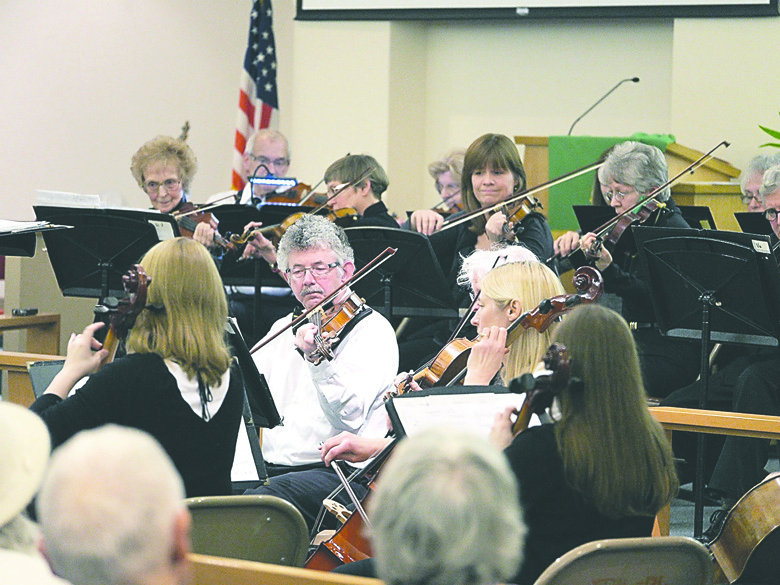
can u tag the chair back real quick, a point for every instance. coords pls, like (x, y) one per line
(253, 527)
(671, 560)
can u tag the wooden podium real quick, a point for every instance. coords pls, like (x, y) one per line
(713, 184)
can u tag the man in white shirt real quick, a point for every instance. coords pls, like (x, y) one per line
(318, 399)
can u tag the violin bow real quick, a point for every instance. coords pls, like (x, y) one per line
(341, 188)
(654, 194)
(380, 259)
(562, 179)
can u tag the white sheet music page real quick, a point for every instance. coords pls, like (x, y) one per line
(472, 411)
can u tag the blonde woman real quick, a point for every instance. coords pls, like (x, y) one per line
(176, 381)
(506, 293)
(604, 469)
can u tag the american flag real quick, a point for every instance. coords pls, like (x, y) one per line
(258, 104)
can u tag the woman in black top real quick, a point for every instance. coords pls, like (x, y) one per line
(176, 382)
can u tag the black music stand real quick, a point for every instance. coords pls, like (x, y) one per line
(90, 259)
(714, 286)
(698, 216)
(259, 406)
(411, 283)
(752, 222)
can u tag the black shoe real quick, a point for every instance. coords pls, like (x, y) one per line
(717, 519)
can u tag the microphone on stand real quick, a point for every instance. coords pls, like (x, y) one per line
(586, 112)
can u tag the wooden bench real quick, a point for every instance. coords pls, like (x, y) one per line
(20, 389)
(209, 570)
(713, 422)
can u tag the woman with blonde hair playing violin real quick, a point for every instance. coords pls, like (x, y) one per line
(176, 381)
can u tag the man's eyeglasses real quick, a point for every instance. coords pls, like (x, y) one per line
(746, 198)
(267, 162)
(318, 270)
(617, 195)
(168, 184)
(771, 213)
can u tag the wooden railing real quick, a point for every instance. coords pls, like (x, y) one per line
(713, 422)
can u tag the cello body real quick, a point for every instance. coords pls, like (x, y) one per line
(747, 549)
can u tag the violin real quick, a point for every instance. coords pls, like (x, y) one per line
(300, 194)
(336, 319)
(449, 365)
(381, 258)
(609, 233)
(190, 215)
(341, 217)
(522, 202)
(540, 389)
(123, 312)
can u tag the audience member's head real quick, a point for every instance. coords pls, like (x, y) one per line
(112, 511)
(446, 512)
(164, 167)
(23, 458)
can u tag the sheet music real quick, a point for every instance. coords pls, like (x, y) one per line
(8, 226)
(473, 411)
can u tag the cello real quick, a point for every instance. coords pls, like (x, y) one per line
(746, 547)
(123, 312)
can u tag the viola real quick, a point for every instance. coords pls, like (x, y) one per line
(449, 365)
(190, 215)
(745, 550)
(540, 389)
(123, 312)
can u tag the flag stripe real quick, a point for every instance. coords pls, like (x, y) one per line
(258, 103)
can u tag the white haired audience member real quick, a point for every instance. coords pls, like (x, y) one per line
(112, 510)
(434, 521)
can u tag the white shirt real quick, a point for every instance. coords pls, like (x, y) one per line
(18, 568)
(318, 402)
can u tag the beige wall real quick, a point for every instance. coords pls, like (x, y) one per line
(84, 83)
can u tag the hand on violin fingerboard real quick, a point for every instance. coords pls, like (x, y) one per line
(501, 432)
(486, 357)
(595, 251)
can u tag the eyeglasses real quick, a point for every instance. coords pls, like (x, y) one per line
(317, 271)
(168, 184)
(746, 198)
(771, 213)
(618, 195)
(267, 162)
